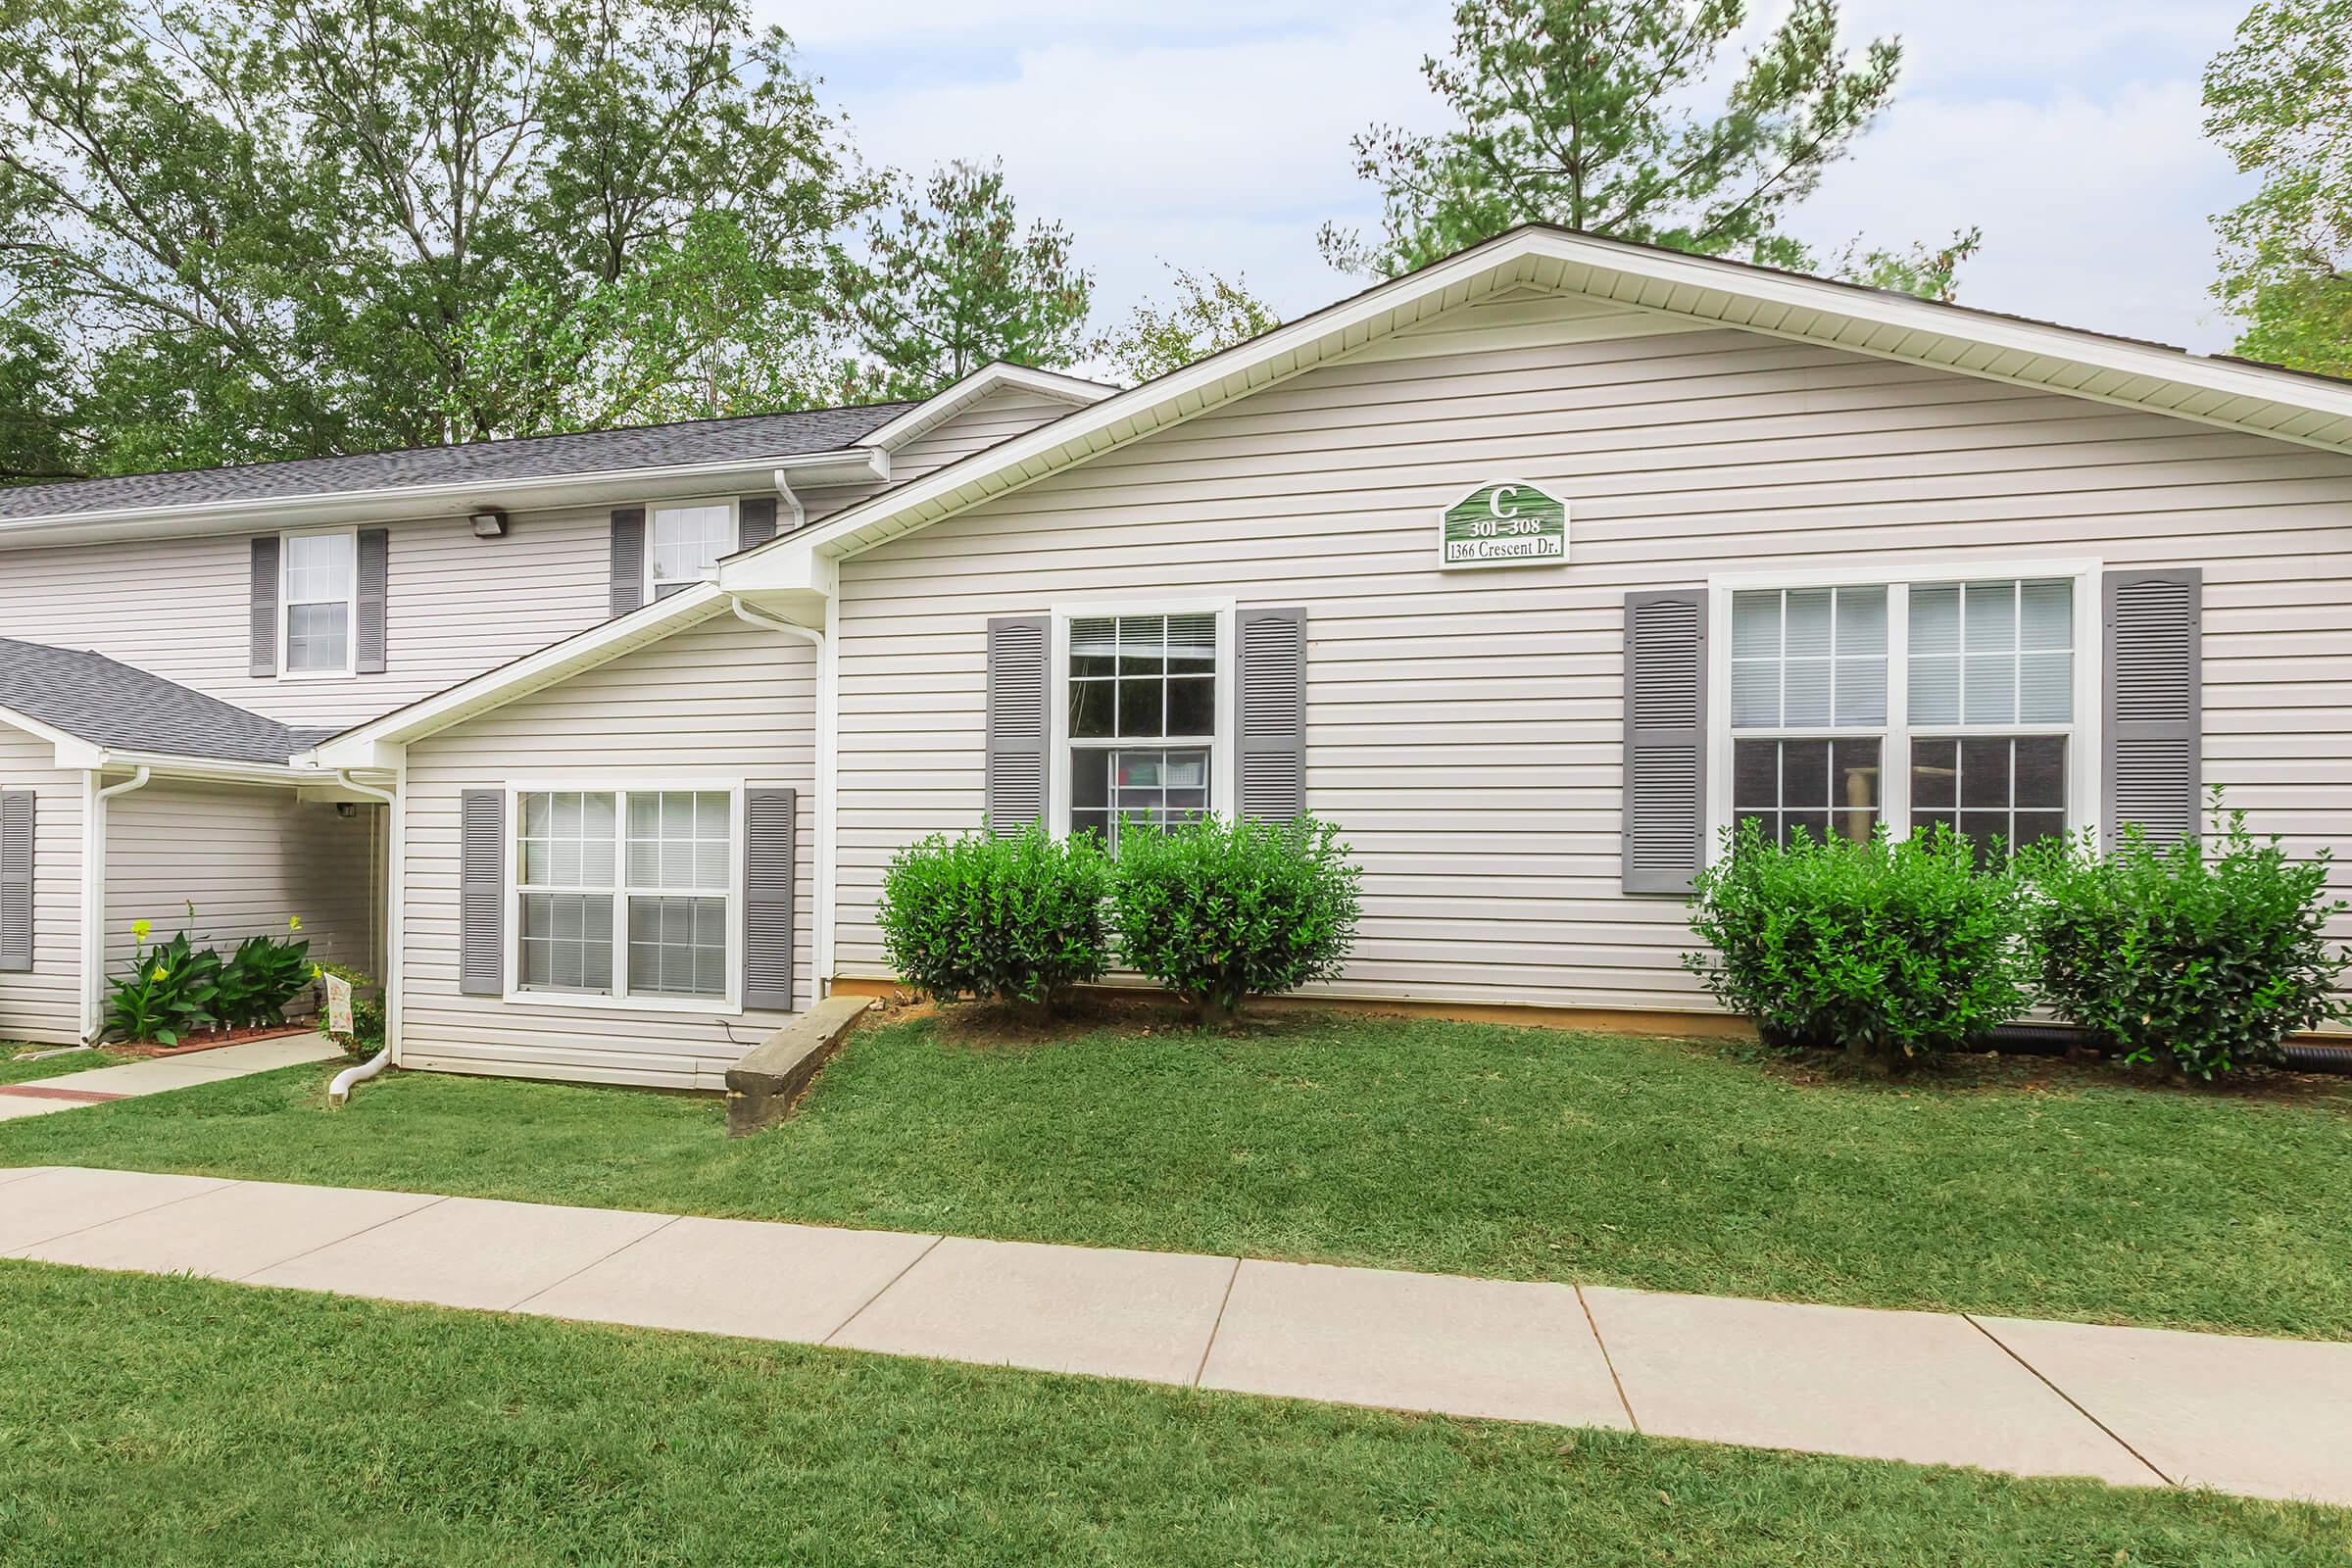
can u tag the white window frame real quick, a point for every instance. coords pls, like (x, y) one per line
(620, 998)
(2083, 748)
(285, 606)
(653, 514)
(1221, 747)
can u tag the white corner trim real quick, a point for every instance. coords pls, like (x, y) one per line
(944, 405)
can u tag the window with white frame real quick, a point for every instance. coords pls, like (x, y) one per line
(319, 596)
(684, 542)
(1905, 705)
(1141, 720)
(625, 893)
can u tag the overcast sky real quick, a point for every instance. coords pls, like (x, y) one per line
(1214, 134)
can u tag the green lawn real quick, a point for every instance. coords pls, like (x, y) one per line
(15, 1070)
(169, 1422)
(2015, 1187)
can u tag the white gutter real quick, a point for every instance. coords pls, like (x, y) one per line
(93, 894)
(827, 766)
(338, 1092)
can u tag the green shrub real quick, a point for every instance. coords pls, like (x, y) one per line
(166, 992)
(259, 979)
(2204, 955)
(1887, 951)
(1017, 919)
(1219, 910)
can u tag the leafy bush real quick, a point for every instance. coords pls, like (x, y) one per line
(2204, 955)
(259, 979)
(366, 1036)
(1016, 919)
(1219, 910)
(166, 992)
(1884, 949)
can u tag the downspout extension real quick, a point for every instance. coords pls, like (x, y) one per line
(338, 1092)
(93, 902)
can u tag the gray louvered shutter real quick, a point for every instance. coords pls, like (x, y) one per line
(770, 864)
(1271, 645)
(375, 572)
(628, 558)
(1017, 730)
(2154, 708)
(483, 893)
(754, 520)
(262, 611)
(1665, 739)
(16, 880)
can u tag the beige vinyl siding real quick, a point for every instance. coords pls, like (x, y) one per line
(43, 1004)
(718, 701)
(999, 416)
(1464, 728)
(248, 859)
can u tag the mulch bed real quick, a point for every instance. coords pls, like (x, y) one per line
(212, 1040)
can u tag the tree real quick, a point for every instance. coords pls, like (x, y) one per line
(308, 226)
(1580, 113)
(2280, 100)
(1207, 315)
(951, 283)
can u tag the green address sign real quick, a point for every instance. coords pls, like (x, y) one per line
(1506, 523)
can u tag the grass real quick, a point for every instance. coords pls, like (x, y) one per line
(171, 1422)
(2011, 1187)
(15, 1070)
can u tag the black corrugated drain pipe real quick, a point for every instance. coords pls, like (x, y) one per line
(2055, 1040)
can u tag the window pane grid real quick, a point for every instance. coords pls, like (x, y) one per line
(319, 576)
(1825, 787)
(1160, 787)
(686, 541)
(1810, 657)
(1991, 790)
(1992, 654)
(1143, 678)
(658, 864)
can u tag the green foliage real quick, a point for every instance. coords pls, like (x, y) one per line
(1583, 112)
(308, 226)
(1223, 909)
(1206, 315)
(259, 979)
(2280, 102)
(366, 1035)
(951, 283)
(1014, 920)
(165, 992)
(2205, 954)
(1886, 950)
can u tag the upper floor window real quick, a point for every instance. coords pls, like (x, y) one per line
(1907, 705)
(319, 599)
(686, 543)
(1141, 720)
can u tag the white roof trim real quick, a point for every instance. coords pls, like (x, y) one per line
(2266, 401)
(362, 747)
(70, 751)
(945, 404)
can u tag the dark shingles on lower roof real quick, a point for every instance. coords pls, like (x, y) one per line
(746, 438)
(113, 705)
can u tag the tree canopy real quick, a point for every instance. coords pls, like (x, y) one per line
(1583, 113)
(2280, 100)
(1207, 313)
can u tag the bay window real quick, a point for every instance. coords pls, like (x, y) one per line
(625, 893)
(1141, 720)
(1851, 705)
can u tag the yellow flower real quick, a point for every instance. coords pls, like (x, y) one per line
(139, 929)
(293, 923)
(161, 973)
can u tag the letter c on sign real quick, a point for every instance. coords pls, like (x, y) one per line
(1502, 493)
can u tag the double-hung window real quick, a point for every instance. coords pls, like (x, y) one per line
(319, 599)
(625, 893)
(1141, 720)
(1906, 705)
(684, 544)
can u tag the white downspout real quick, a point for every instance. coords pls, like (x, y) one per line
(799, 513)
(821, 895)
(93, 894)
(338, 1092)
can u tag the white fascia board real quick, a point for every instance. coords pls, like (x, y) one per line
(945, 404)
(394, 502)
(70, 752)
(1882, 324)
(375, 744)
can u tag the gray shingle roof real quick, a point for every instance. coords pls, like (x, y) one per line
(113, 705)
(548, 457)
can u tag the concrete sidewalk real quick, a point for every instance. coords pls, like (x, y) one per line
(40, 1096)
(2136, 1406)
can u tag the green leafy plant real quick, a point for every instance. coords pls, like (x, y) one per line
(2204, 955)
(1887, 951)
(1220, 911)
(366, 1034)
(165, 992)
(260, 978)
(1018, 919)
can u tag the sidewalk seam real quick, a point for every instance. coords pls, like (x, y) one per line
(1607, 1359)
(1223, 1301)
(1971, 1320)
(225, 1181)
(518, 1304)
(438, 1199)
(884, 1291)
